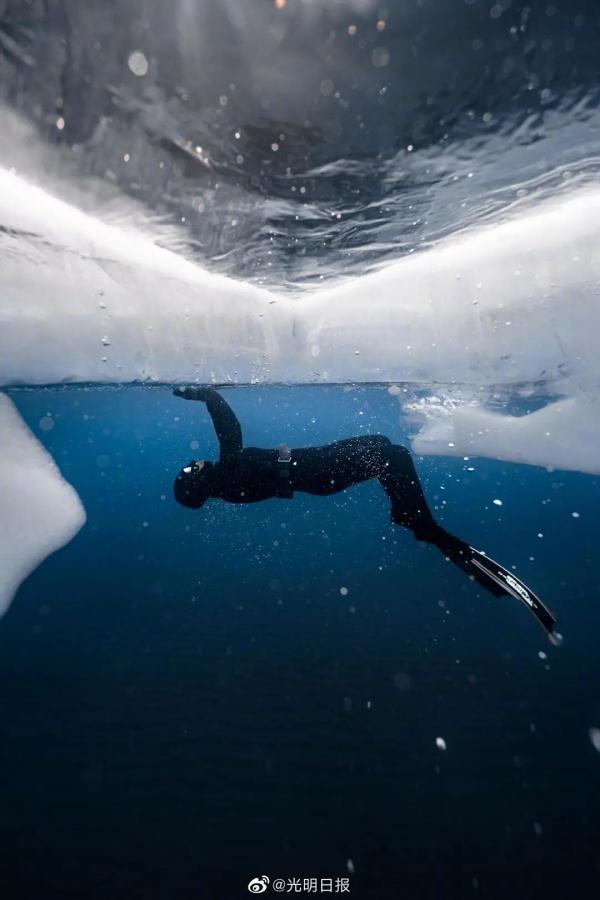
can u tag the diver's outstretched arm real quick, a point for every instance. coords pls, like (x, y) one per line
(227, 427)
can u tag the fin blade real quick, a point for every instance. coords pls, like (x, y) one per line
(514, 587)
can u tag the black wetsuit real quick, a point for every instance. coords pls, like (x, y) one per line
(250, 474)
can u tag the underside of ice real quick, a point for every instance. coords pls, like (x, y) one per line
(39, 510)
(505, 304)
(563, 434)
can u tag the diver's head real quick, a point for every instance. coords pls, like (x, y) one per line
(193, 485)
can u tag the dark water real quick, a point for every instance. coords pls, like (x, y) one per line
(189, 700)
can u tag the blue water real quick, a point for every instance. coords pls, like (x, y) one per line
(190, 701)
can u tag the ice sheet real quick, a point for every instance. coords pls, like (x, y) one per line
(86, 301)
(82, 300)
(505, 304)
(39, 510)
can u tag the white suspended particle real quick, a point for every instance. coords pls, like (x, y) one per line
(380, 57)
(46, 423)
(402, 681)
(344, 591)
(138, 63)
(440, 743)
(575, 515)
(497, 502)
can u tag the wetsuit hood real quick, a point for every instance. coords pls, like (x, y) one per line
(194, 484)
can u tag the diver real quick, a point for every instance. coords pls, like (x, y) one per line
(249, 474)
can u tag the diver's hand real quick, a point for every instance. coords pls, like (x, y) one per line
(195, 392)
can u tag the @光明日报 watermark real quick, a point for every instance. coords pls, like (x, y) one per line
(262, 883)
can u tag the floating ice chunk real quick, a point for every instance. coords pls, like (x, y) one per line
(563, 435)
(39, 510)
(595, 738)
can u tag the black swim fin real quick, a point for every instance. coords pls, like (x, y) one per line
(493, 577)
(509, 584)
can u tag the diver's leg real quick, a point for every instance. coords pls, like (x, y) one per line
(401, 483)
(332, 468)
(410, 509)
(339, 465)
(336, 466)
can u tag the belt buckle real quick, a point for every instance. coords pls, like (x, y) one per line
(284, 454)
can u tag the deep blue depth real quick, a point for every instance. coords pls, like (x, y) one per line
(190, 701)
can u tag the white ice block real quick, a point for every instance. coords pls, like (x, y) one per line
(562, 435)
(39, 510)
